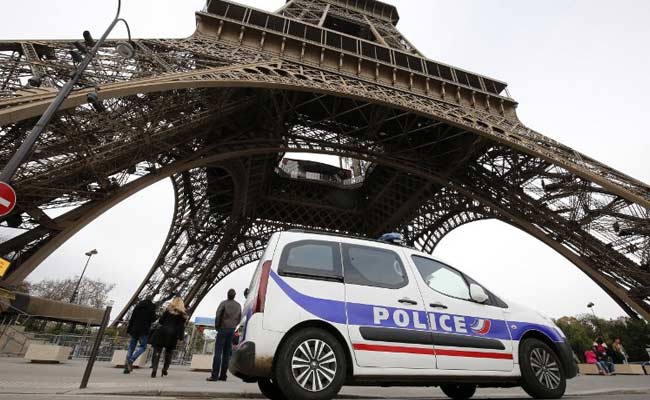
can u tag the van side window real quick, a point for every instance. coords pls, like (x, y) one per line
(311, 259)
(370, 266)
(446, 280)
(442, 278)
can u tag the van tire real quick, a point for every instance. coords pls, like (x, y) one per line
(270, 389)
(533, 355)
(459, 391)
(302, 343)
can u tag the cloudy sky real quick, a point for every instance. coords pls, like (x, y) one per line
(579, 69)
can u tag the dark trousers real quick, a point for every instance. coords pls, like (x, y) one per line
(155, 359)
(222, 350)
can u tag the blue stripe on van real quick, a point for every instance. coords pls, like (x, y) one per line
(392, 317)
(329, 310)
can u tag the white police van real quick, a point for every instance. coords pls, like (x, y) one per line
(325, 311)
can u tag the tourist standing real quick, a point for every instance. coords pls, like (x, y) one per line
(143, 315)
(226, 320)
(620, 356)
(171, 330)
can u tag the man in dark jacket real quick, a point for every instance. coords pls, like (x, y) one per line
(144, 314)
(225, 321)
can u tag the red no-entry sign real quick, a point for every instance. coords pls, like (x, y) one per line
(7, 199)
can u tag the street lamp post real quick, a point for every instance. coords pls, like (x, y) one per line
(125, 49)
(73, 298)
(591, 307)
(596, 323)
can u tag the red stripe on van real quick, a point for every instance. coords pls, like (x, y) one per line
(473, 354)
(431, 352)
(393, 349)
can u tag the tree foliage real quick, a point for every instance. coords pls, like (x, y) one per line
(93, 293)
(581, 332)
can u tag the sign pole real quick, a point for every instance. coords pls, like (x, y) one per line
(95, 350)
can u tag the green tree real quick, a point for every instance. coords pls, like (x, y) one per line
(581, 332)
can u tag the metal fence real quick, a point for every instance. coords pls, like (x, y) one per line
(14, 340)
(81, 345)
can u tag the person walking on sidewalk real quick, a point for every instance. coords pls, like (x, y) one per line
(170, 331)
(143, 315)
(226, 320)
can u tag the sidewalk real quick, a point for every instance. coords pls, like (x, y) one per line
(20, 377)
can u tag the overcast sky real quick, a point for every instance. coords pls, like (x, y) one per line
(579, 69)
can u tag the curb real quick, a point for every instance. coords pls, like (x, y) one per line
(249, 395)
(200, 395)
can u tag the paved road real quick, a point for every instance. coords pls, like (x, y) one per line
(21, 380)
(104, 397)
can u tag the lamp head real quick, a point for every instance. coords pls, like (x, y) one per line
(91, 252)
(88, 38)
(92, 97)
(590, 305)
(35, 81)
(125, 49)
(76, 56)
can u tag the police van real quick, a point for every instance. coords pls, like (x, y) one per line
(325, 311)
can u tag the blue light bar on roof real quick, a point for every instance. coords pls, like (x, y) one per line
(393, 237)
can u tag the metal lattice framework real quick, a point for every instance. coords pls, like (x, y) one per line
(216, 112)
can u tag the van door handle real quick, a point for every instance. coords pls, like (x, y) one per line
(408, 301)
(438, 305)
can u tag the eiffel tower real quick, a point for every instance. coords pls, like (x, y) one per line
(428, 147)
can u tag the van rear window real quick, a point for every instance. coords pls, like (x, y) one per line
(311, 259)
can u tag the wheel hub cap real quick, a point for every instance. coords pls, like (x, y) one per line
(313, 365)
(545, 368)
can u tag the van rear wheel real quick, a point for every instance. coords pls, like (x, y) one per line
(270, 389)
(311, 365)
(459, 391)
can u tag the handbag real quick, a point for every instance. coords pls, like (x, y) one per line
(154, 327)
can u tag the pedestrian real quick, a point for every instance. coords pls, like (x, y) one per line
(171, 330)
(620, 356)
(590, 358)
(600, 348)
(143, 315)
(226, 320)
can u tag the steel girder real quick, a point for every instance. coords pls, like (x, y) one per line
(216, 116)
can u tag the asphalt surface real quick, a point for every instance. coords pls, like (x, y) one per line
(614, 396)
(22, 380)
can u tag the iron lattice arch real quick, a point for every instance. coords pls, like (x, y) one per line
(217, 112)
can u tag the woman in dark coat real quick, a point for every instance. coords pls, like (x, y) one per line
(170, 331)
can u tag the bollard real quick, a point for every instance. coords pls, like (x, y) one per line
(95, 350)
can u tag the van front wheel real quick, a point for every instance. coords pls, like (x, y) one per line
(310, 365)
(542, 373)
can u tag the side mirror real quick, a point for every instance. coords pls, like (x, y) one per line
(478, 294)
